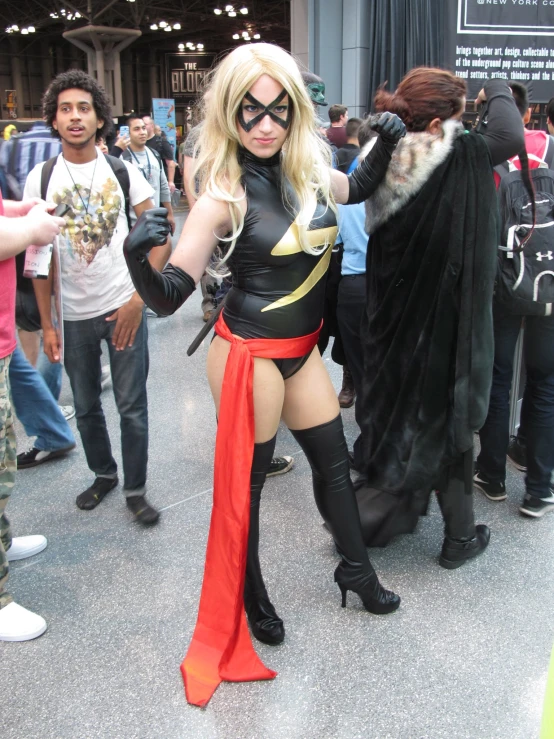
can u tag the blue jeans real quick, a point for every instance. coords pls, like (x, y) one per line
(129, 373)
(36, 407)
(51, 373)
(538, 401)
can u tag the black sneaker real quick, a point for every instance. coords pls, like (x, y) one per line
(517, 454)
(38, 456)
(280, 465)
(536, 507)
(492, 490)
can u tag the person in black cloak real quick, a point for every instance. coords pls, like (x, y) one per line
(427, 330)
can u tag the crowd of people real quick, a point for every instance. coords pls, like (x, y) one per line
(280, 209)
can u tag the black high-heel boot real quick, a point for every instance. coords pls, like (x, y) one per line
(463, 540)
(326, 451)
(264, 622)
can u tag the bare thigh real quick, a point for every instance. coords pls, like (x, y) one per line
(268, 388)
(310, 398)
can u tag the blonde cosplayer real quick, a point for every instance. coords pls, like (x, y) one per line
(306, 158)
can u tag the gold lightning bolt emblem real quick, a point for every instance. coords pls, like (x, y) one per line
(290, 244)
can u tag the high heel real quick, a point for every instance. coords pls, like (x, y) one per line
(326, 450)
(264, 622)
(373, 595)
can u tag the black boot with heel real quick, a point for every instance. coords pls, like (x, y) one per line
(264, 622)
(326, 451)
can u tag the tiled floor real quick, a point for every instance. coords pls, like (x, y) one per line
(465, 657)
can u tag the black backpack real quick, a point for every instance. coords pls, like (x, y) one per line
(525, 280)
(27, 316)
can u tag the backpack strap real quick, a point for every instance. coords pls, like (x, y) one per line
(122, 174)
(158, 158)
(45, 175)
(502, 169)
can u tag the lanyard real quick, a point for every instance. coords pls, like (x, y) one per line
(146, 176)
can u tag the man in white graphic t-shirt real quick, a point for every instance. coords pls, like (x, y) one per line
(99, 300)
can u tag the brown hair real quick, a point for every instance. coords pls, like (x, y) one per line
(336, 111)
(424, 93)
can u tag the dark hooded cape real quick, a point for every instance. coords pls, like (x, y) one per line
(427, 337)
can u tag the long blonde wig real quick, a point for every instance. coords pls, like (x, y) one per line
(305, 157)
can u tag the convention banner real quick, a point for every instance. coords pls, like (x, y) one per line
(512, 39)
(163, 112)
(186, 72)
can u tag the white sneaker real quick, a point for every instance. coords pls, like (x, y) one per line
(19, 624)
(68, 411)
(25, 546)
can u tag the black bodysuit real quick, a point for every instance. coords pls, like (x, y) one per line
(278, 289)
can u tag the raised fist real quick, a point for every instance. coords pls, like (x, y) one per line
(389, 127)
(151, 229)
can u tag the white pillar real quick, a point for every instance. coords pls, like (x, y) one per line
(355, 55)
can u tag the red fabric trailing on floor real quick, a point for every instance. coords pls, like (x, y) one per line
(221, 647)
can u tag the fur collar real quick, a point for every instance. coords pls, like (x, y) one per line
(414, 160)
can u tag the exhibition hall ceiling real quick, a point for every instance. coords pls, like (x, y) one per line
(215, 26)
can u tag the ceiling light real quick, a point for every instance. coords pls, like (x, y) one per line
(228, 8)
(162, 24)
(199, 46)
(217, 11)
(244, 11)
(78, 15)
(31, 29)
(176, 26)
(257, 35)
(24, 31)
(232, 14)
(189, 44)
(236, 36)
(154, 27)
(168, 28)
(181, 47)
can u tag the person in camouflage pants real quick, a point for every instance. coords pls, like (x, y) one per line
(7, 475)
(21, 224)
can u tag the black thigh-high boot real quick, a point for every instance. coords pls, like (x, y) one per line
(462, 538)
(326, 451)
(264, 621)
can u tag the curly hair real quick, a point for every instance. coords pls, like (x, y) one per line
(77, 79)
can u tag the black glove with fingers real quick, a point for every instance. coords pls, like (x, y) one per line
(365, 179)
(151, 229)
(389, 127)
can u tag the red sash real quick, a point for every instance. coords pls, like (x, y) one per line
(221, 647)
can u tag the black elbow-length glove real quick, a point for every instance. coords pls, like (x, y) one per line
(365, 179)
(164, 291)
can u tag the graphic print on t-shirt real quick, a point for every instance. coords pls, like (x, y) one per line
(90, 228)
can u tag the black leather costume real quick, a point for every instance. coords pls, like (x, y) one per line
(278, 293)
(278, 289)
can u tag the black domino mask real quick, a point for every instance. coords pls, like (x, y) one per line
(266, 110)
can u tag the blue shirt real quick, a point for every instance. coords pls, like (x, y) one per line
(354, 238)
